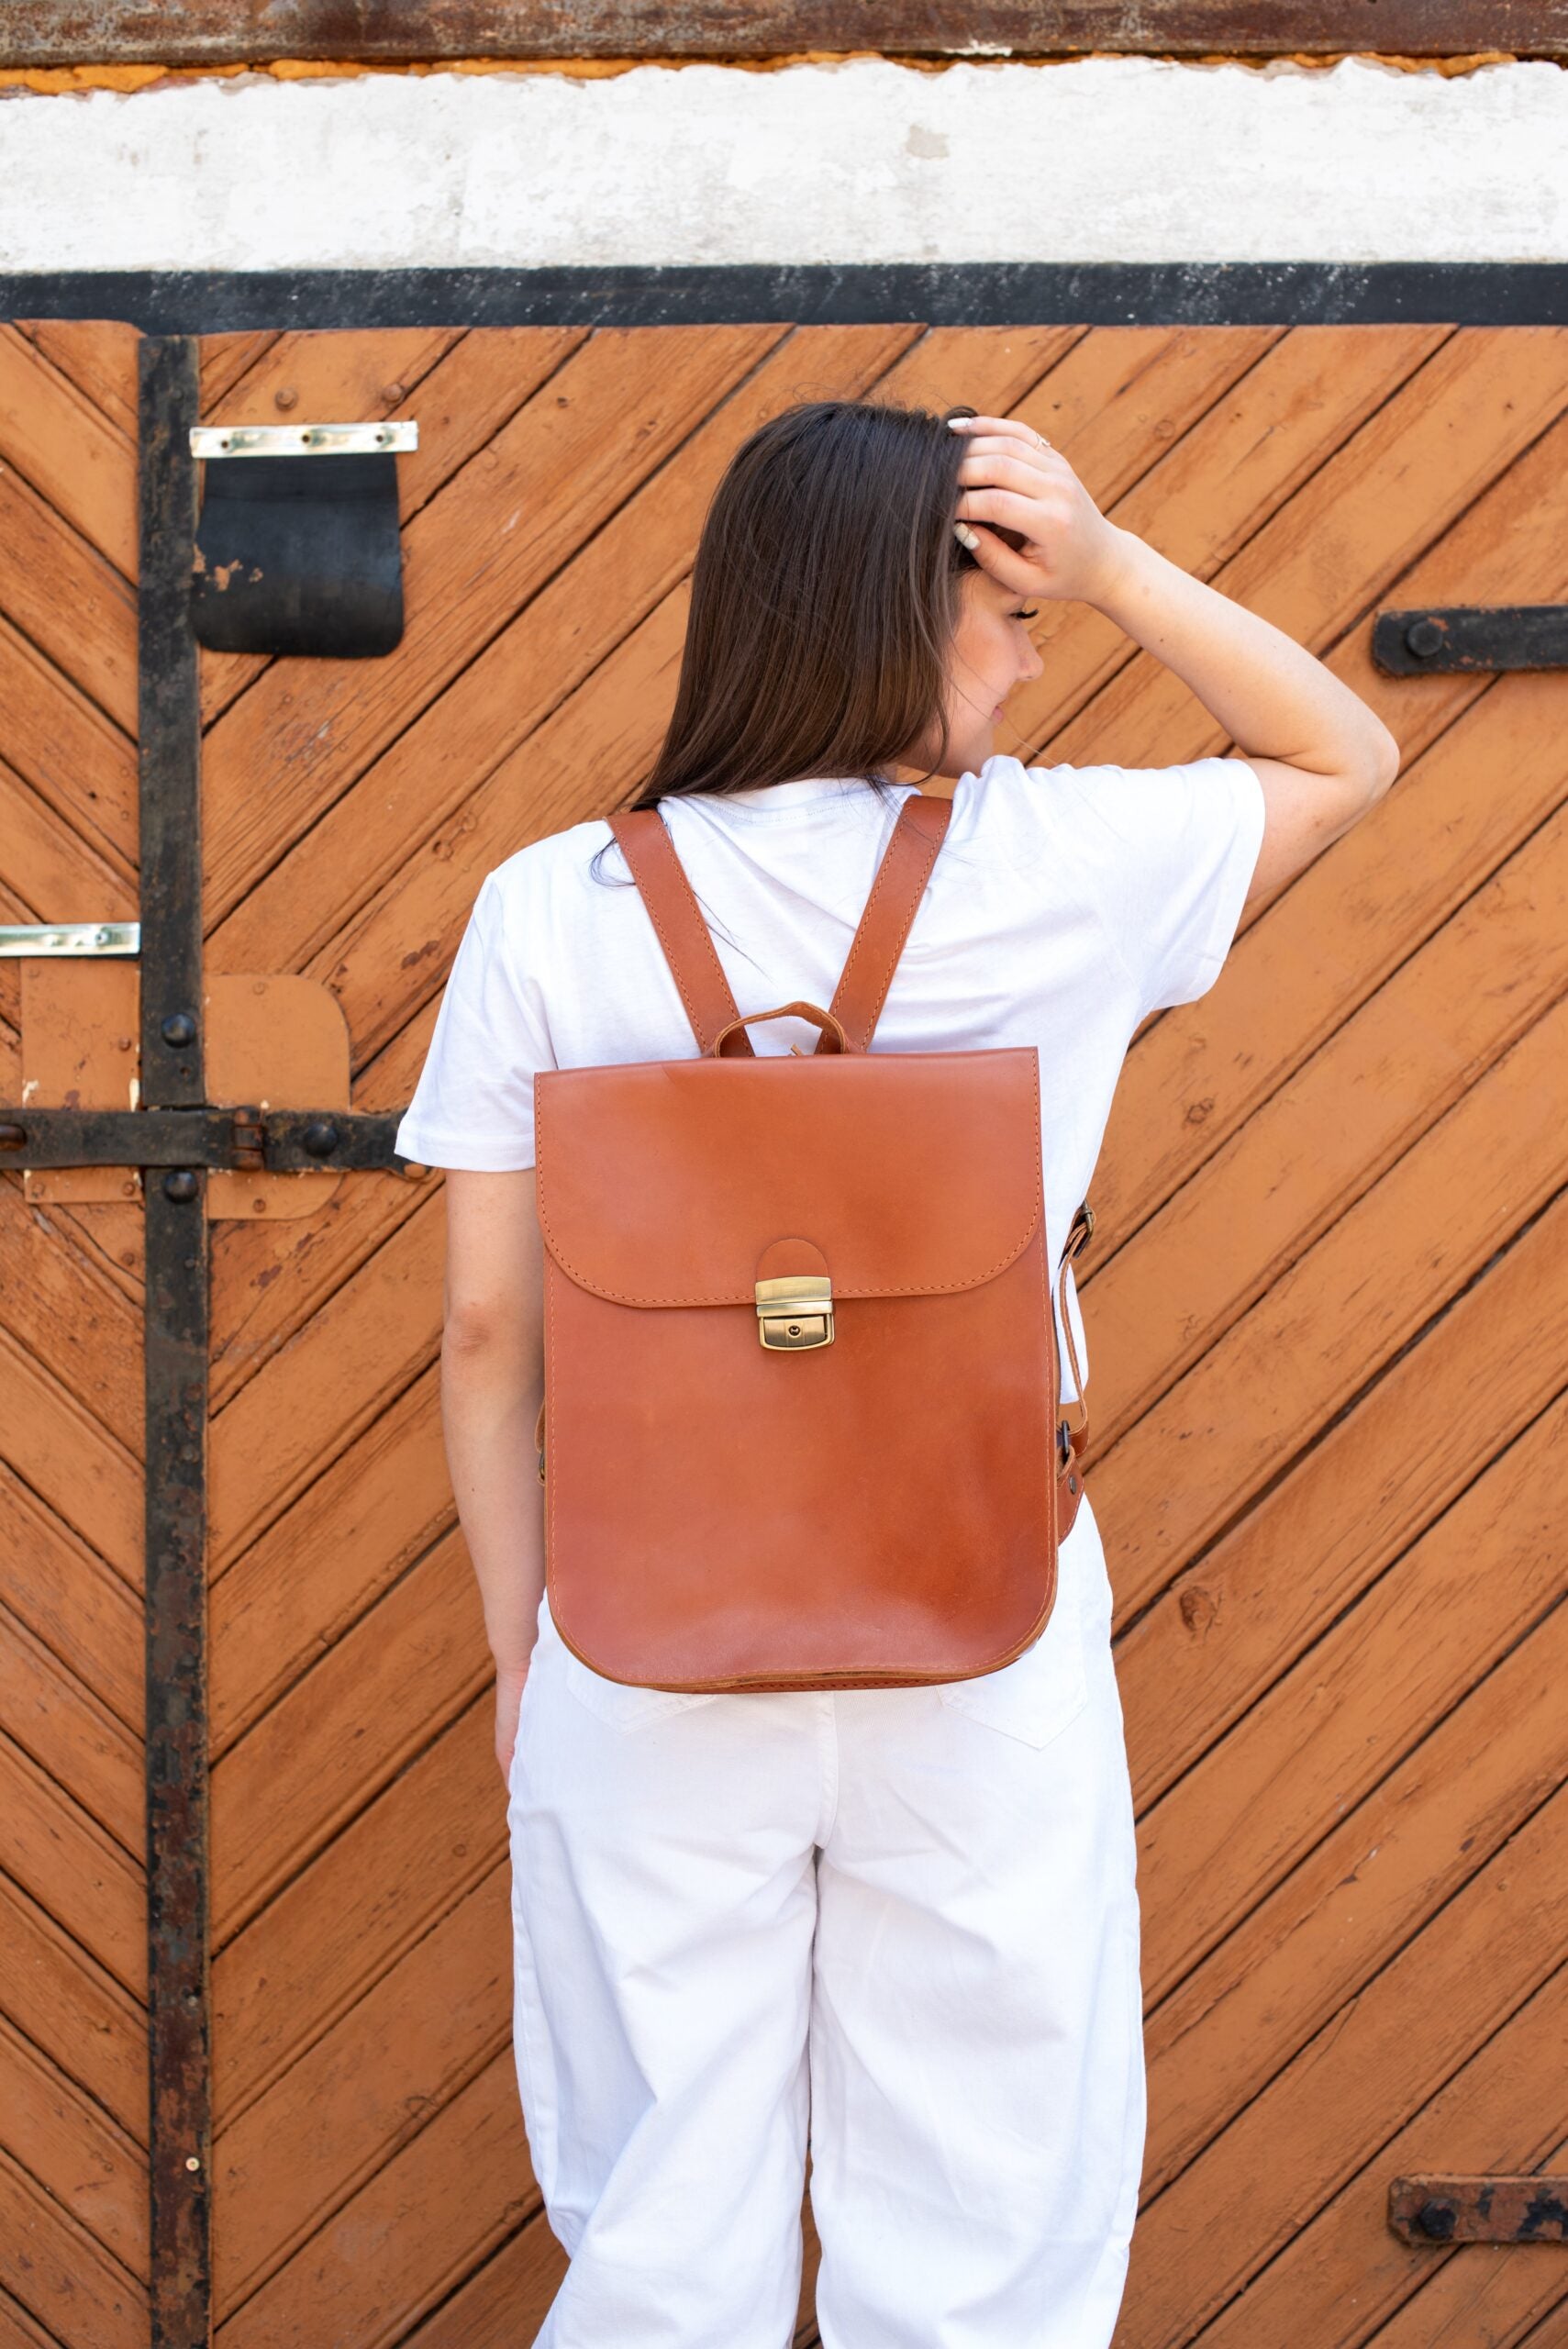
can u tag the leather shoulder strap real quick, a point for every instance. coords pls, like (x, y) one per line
(894, 900)
(678, 923)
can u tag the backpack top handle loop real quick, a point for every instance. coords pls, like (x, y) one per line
(832, 1038)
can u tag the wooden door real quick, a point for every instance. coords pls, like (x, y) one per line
(73, 2257)
(1326, 1302)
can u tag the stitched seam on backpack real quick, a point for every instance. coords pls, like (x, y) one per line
(869, 1027)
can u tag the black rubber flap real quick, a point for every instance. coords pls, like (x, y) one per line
(299, 555)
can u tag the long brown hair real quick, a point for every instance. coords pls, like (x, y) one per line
(824, 597)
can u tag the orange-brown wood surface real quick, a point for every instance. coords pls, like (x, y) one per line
(1327, 1303)
(72, 1926)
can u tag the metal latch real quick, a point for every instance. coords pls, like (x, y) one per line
(795, 1312)
(72, 938)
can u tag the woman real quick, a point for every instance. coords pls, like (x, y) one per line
(902, 1921)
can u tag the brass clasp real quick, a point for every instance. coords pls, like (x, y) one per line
(795, 1312)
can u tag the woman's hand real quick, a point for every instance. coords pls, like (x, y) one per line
(1011, 479)
(510, 1683)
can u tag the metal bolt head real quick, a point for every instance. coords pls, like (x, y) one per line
(179, 1185)
(286, 398)
(1423, 638)
(192, 2161)
(1436, 2221)
(320, 1138)
(179, 1030)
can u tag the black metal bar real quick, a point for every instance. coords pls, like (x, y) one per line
(1432, 2210)
(1471, 637)
(945, 294)
(176, 1343)
(277, 1141)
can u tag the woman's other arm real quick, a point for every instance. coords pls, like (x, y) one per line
(491, 1383)
(1321, 755)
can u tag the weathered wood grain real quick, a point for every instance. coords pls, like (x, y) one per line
(73, 2150)
(63, 2277)
(409, 1854)
(1398, 1660)
(1336, 2104)
(55, 1853)
(1345, 2269)
(409, 2235)
(67, 751)
(71, 1735)
(1211, 1645)
(371, 1704)
(72, 603)
(71, 1461)
(98, 355)
(73, 2011)
(68, 451)
(1349, 1907)
(1335, 1319)
(406, 2048)
(57, 1305)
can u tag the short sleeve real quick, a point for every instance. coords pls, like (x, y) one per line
(1169, 854)
(472, 1107)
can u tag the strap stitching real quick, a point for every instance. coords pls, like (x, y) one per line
(623, 824)
(908, 838)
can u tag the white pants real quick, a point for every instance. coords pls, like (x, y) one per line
(905, 1918)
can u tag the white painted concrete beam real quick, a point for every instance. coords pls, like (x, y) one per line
(1106, 160)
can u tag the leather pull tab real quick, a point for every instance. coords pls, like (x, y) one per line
(679, 926)
(894, 900)
(784, 1259)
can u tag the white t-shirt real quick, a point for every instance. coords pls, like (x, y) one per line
(1065, 905)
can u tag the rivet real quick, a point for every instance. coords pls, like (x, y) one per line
(192, 2161)
(1436, 2221)
(1423, 638)
(285, 398)
(179, 1030)
(179, 1185)
(319, 1139)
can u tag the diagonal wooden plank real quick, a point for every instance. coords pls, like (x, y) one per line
(98, 355)
(51, 872)
(71, 1735)
(365, 2089)
(1344, 1716)
(1502, 2111)
(226, 359)
(1366, 1889)
(585, 759)
(370, 1705)
(64, 747)
(71, 1461)
(73, 2010)
(73, 2150)
(512, 2292)
(62, 2278)
(64, 445)
(1309, 2131)
(1206, 483)
(56, 1303)
(1317, 1144)
(409, 2235)
(18, 2330)
(1336, 1318)
(574, 620)
(1225, 1630)
(74, 606)
(314, 1571)
(323, 1941)
(65, 1860)
(72, 1602)
(311, 1400)
(1202, 1068)
(577, 450)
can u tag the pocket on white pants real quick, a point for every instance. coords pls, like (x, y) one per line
(623, 1706)
(1034, 1698)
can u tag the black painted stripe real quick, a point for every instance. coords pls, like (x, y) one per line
(934, 294)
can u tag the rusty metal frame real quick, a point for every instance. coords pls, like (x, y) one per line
(211, 32)
(1427, 2211)
(271, 1141)
(175, 1355)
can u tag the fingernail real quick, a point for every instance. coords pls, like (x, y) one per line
(959, 423)
(965, 535)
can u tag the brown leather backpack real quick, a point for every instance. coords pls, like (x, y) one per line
(801, 1377)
